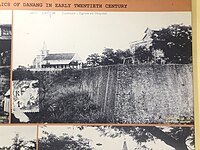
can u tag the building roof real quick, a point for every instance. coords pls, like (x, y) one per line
(60, 56)
(145, 35)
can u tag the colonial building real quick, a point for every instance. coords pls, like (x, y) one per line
(62, 60)
(56, 61)
(38, 61)
(5, 44)
(146, 41)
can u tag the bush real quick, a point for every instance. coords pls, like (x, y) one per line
(72, 107)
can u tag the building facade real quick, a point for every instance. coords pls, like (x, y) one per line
(146, 41)
(62, 61)
(56, 61)
(158, 55)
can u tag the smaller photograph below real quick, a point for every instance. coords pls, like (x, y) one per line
(115, 138)
(18, 138)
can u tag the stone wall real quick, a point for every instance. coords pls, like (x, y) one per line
(141, 93)
(101, 84)
(133, 93)
(154, 94)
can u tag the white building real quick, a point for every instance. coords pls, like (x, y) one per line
(62, 61)
(146, 41)
(56, 61)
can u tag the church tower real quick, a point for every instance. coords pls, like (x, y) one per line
(125, 147)
(44, 51)
(38, 61)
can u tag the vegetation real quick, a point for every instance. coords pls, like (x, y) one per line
(143, 55)
(19, 143)
(180, 138)
(175, 42)
(60, 99)
(70, 107)
(108, 57)
(65, 142)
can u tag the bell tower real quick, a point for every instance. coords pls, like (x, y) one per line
(44, 51)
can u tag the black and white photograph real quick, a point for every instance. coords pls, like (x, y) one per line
(25, 99)
(18, 138)
(115, 137)
(102, 67)
(5, 49)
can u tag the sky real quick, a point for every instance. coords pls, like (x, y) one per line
(96, 137)
(83, 33)
(5, 16)
(7, 133)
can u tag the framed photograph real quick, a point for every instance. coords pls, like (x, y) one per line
(15, 137)
(122, 137)
(124, 71)
(103, 73)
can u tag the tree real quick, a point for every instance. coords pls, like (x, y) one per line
(18, 142)
(143, 55)
(93, 60)
(111, 57)
(176, 137)
(33, 147)
(5, 148)
(108, 57)
(65, 142)
(176, 43)
(121, 55)
(22, 74)
(63, 103)
(124, 54)
(70, 107)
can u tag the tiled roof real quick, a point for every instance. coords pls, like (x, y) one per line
(61, 56)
